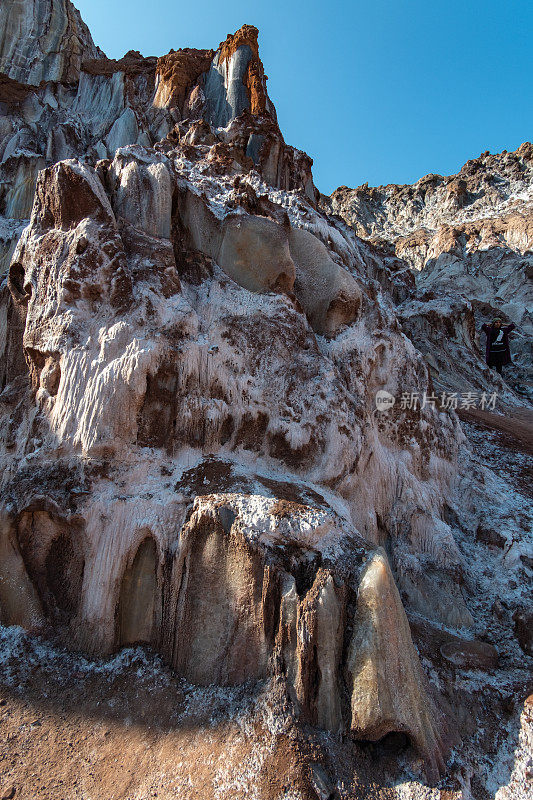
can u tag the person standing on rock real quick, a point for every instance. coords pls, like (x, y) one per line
(497, 351)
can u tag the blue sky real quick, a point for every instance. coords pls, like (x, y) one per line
(382, 91)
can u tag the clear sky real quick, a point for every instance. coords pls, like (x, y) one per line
(383, 91)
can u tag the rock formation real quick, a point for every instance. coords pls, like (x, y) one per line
(467, 240)
(191, 454)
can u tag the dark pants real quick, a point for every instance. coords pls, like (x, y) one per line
(497, 360)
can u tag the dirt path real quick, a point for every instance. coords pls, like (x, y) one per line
(515, 426)
(127, 729)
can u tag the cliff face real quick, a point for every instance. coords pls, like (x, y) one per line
(43, 40)
(191, 454)
(145, 335)
(88, 106)
(468, 240)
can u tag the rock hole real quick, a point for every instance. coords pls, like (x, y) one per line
(53, 556)
(64, 567)
(304, 572)
(394, 743)
(16, 281)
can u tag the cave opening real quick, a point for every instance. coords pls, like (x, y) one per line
(393, 743)
(137, 607)
(64, 567)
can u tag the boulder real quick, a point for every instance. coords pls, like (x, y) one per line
(470, 654)
(328, 293)
(383, 669)
(255, 253)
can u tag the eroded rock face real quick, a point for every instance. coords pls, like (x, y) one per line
(191, 455)
(91, 117)
(468, 237)
(90, 106)
(169, 331)
(250, 587)
(177, 73)
(236, 80)
(43, 41)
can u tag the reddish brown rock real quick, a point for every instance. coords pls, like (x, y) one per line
(67, 196)
(133, 63)
(176, 74)
(255, 74)
(13, 92)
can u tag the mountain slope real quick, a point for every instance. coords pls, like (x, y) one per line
(193, 460)
(468, 240)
